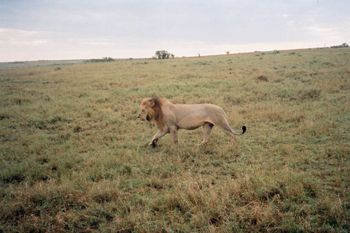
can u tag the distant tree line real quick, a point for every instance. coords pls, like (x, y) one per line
(163, 54)
(104, 59)
(343, 45)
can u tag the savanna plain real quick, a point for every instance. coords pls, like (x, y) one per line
(74, 156)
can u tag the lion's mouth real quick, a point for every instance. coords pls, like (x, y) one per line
(148, 118)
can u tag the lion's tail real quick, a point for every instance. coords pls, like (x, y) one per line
(244, 128)
(226, 127)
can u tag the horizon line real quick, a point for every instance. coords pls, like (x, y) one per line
(188, 56)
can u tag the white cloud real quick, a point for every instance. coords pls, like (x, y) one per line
(96, 42)
(18, 37)
(330, 33)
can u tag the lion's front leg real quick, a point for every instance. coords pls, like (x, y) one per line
(156, 137)
(173, 132)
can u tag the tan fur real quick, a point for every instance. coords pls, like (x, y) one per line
(170, 117)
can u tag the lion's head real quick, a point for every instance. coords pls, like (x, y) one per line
(150, 109)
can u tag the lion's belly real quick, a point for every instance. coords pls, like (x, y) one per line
(192, 121)
(189, 125)
(192, 116)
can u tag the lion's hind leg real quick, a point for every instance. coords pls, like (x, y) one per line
(207, 127)
(228, 130)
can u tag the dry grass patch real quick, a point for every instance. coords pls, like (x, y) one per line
(73, 157)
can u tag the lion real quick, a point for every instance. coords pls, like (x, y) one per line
(170, 117)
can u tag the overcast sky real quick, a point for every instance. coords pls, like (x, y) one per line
(71, 29)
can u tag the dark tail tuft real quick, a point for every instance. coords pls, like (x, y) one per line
(244, 129)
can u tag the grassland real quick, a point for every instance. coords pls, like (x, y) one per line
(73, 157)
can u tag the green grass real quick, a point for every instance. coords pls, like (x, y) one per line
(74, 156)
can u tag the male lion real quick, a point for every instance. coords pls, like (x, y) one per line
(170, 117)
